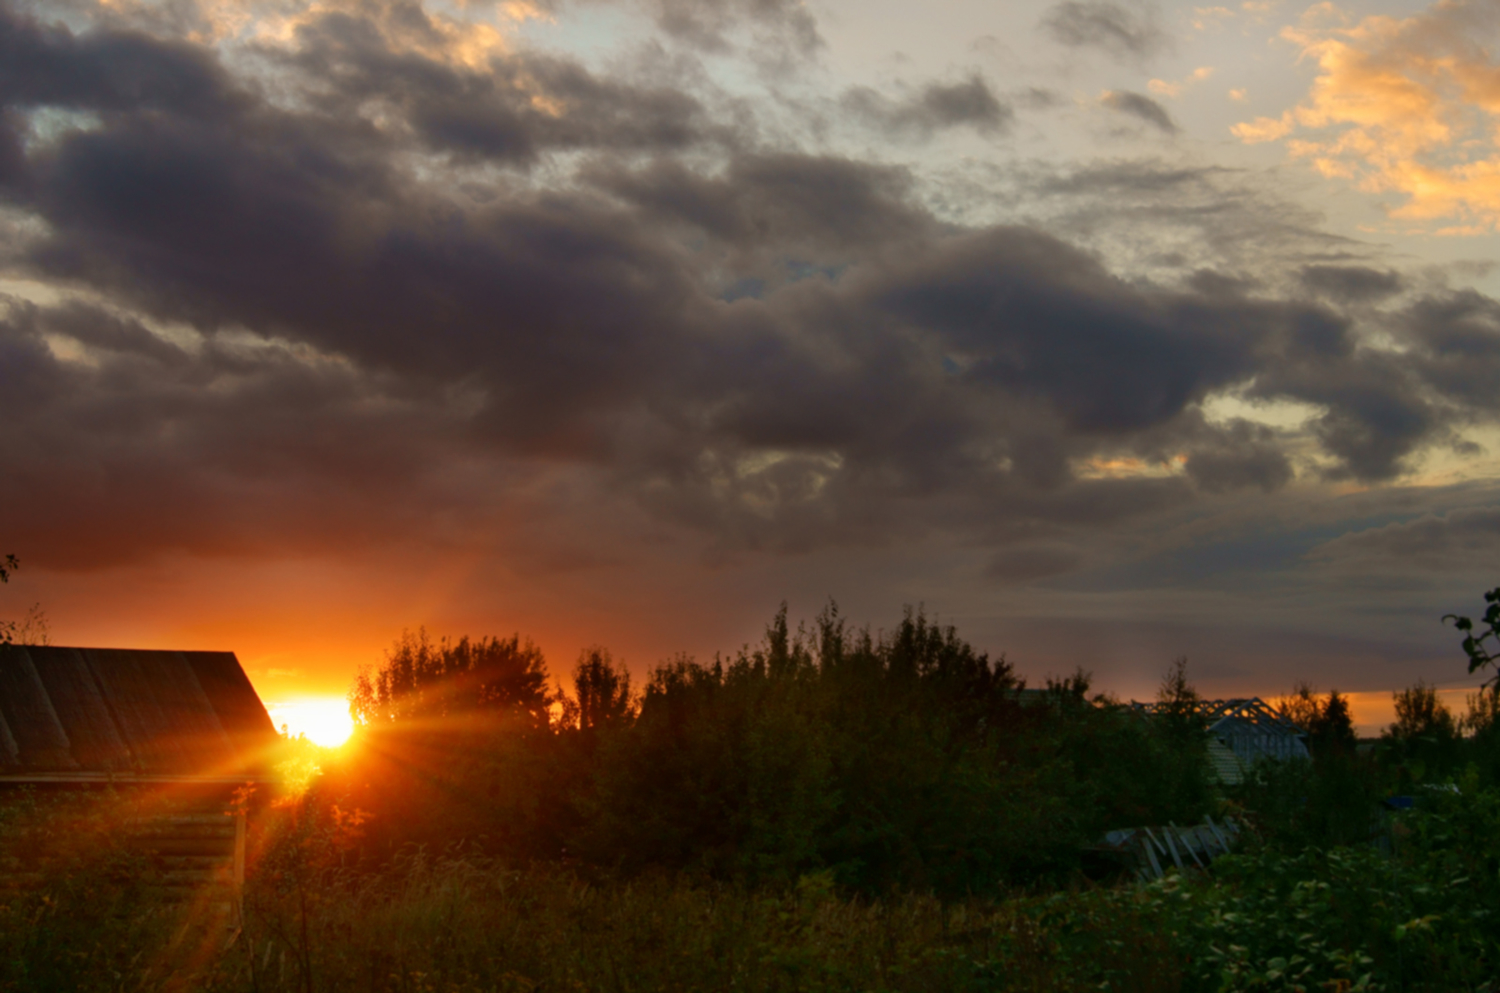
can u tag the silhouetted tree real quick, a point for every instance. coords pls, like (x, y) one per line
(420, 679)
(1331, 730)
(903, 759)
(602, 696)
(1302, 706)
(1425, 737)
(1419, 713)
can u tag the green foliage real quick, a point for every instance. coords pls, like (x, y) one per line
(829, 810)
(603, 699)
(1330, 801)
(80, 908)
(1481, 647)
(1425, 743)
(422, 681)
(904, 759)
(1331, 730)
(1181, 760)
(1420, 919)
(1482, 725)
(1326, 720)
(1415, 918)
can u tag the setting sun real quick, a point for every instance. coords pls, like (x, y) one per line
(324, 720)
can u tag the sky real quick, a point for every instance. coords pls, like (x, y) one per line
(1108, 332)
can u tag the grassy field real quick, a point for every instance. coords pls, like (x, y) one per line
(1419, 919)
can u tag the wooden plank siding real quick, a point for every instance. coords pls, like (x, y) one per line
(186, 856)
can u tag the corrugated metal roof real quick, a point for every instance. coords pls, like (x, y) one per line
(107, 711)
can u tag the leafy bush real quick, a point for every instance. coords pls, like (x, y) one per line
(1330, 801)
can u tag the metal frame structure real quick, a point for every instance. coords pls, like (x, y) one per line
(1246, 726)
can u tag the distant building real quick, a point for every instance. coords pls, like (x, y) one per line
(86, 715)
(1242, 732)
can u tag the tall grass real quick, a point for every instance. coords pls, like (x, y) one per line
(1417, 918)
(464, 924)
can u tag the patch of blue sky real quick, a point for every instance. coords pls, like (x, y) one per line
(749, 286)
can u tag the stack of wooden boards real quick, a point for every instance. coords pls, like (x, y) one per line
(1150, 852)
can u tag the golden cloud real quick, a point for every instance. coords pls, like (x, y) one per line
(1409, 106)
(1162, 87)
(466, 33)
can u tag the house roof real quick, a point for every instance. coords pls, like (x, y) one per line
(122, 713)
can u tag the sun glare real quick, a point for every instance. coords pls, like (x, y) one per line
(324, 719)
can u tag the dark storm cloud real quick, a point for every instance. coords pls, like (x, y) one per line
(1351, 283)
(532, 264)
(510, 110)
(936, 106)
(1245, 455)
(1463, 540)
(108, 71)
(1038, 317)
(1142, 107)
(1458, 346)
(224, 447)
(796, 203)
(1378, 409)
(1109, 26)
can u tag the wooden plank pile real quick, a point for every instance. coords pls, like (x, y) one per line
(1151, 852)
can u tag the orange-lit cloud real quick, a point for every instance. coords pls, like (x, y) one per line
(469, 41)
(1164, 88)
(1409, 107)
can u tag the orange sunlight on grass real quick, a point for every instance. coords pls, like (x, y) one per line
(324, 720)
